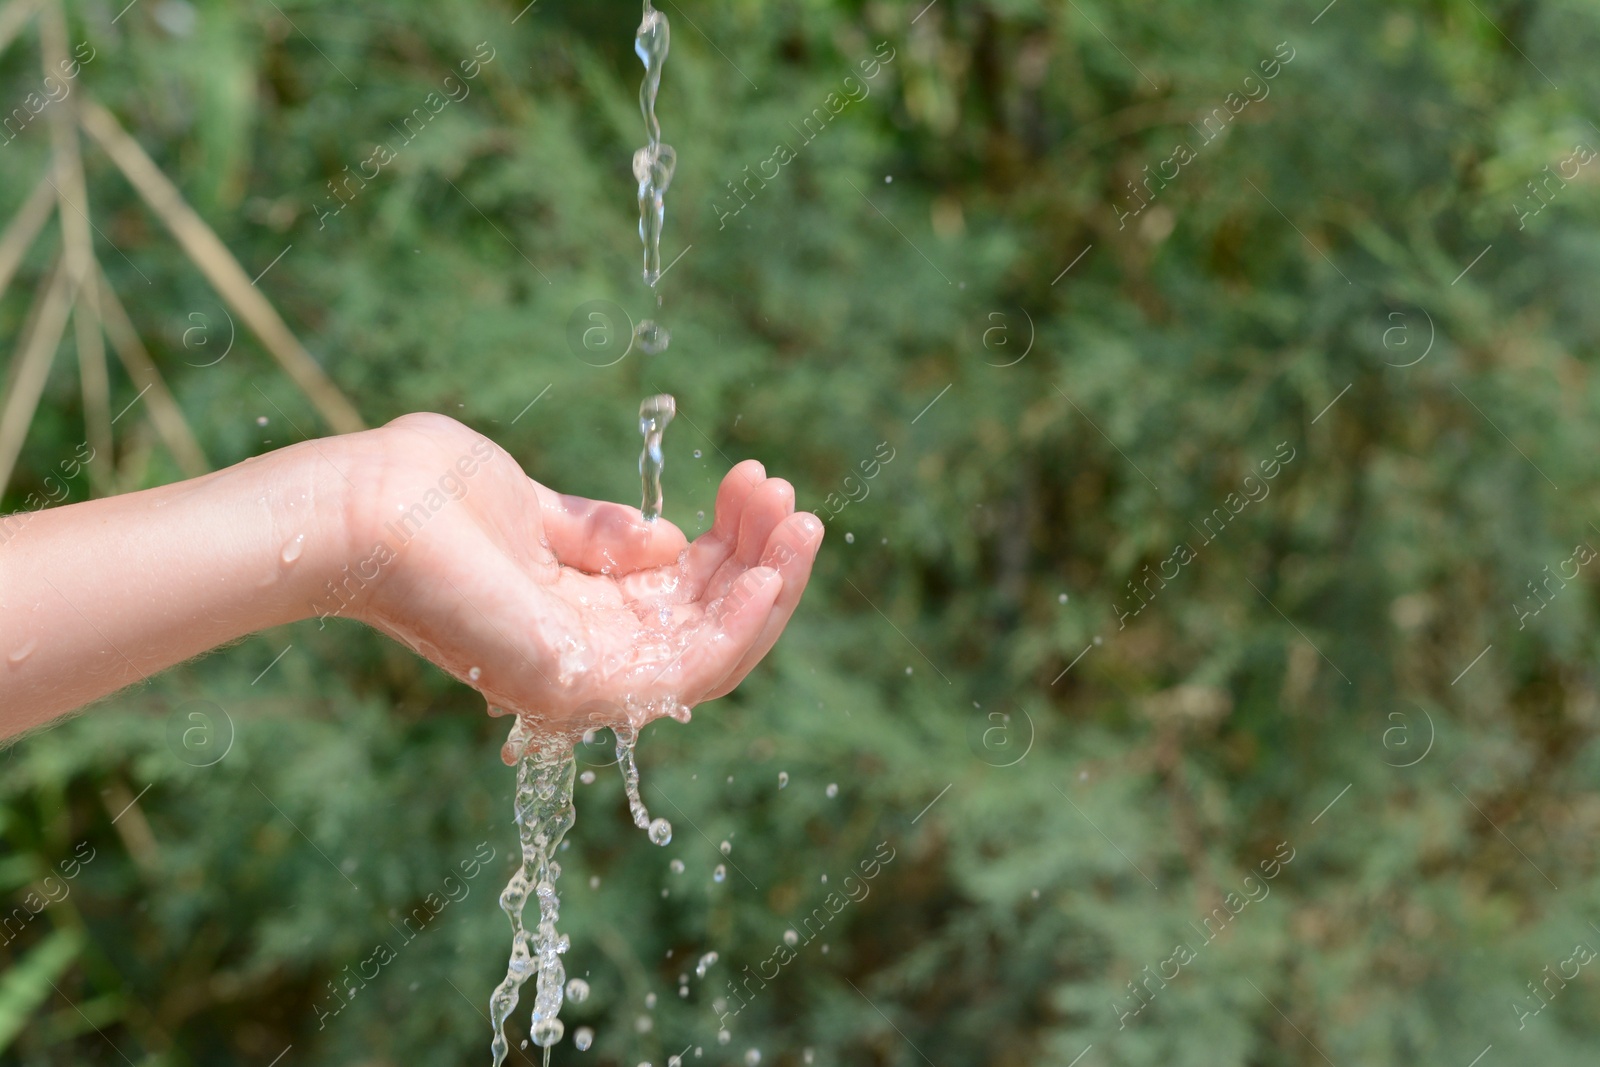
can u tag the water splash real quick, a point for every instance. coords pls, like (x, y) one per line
(544, 814)
(654, 414)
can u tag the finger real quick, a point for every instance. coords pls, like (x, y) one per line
(792, 550)
(600, 537)
(733, 624)
(735, 489)
(770, 503)
(712, 549)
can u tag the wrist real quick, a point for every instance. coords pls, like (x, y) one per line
(315, 521)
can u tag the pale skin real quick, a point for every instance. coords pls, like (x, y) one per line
(571, 610)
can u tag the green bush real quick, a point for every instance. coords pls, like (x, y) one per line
(1098, 788)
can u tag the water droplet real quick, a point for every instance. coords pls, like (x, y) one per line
(824, 950)
(824, 879)
(587, 778)
(1097, 639)
(292, 550)
(474, 674)
(653, 337)
(888, 178)
(644, 1024)
(683, 991)
(261, 420)
(790, 937)
(577, 990)
(582, 1038)
(908, 671)
(1062, 599)
(24, 650)
(699, 516)
(752, 1057)
(676, 866)
(650, 1001)
(594, 881)
(719, 874)
(547, 1032)
(832, 790)
(723, 1037)
(783, 779)
(697, 453)
(704, 964)
(808, 1055)
(1035, 894)
(725, 847)
(849, 538)
(661, 832)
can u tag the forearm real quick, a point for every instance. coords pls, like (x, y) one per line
(98, 595)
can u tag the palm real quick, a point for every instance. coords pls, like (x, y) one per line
(579, 612)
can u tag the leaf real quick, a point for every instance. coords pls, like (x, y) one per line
(24, 987)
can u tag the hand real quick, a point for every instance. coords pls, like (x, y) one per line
(575, 612)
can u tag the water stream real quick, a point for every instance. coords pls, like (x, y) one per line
(654, 414)
(544, 814)
(652, 164)
(652, 168)
(544, 761)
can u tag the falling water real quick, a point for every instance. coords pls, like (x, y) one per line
(652, 167)
(652, 164)
(660, 830)
(544, 814)
(654, 414)
(545, 764)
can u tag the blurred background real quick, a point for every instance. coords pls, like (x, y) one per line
(1202, 653)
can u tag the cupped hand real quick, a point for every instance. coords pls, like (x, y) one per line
(574, 612)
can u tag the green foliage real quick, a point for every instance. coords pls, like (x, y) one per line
(1308, 653)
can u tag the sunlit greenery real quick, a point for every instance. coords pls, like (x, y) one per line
(1343, 273)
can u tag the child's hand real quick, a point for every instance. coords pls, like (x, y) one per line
(575, 611)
